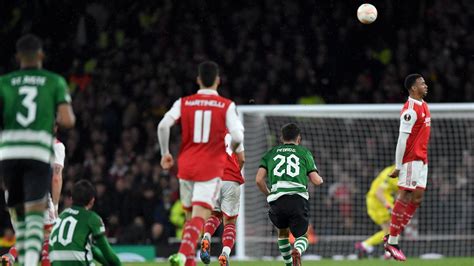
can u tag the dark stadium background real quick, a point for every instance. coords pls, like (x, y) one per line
(127, 61)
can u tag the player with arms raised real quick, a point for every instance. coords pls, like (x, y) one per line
(227, 206)
(205, 118)
(30, 98)
(78, 236)
(288, 167)
(411, 160)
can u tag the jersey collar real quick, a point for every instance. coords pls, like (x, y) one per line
(207, 91)
(415, 101)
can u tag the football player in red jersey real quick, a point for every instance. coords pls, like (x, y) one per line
(227, 207)
(411, 160)
(205, 118)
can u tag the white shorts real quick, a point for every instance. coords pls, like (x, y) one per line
(50, 213)
(229, 199)
(202, 193)
(413, 175)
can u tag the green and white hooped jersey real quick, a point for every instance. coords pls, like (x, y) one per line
(288, 167)
(71, 239)
(29, 100)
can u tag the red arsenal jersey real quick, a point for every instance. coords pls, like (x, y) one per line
(416, 120)
(202, 154)
(232, 169)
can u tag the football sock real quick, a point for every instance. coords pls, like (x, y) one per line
(211, 226)
(20, 228)
(374, 240)
(301, 244)
(397, 220)
(228, 238)
(285, 250)
(191, 233)
(409, 211)
(190, 260)
(33, 237)
(45, 253)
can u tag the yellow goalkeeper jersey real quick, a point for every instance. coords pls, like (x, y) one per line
(389, 185)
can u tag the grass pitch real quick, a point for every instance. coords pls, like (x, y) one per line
(327, 262)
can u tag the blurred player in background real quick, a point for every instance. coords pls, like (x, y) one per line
(411, 160)
(78, 236)
(288, 167)
(380, 201)
(205, 118)
(51, 213)
(227, 206)
(30, 99)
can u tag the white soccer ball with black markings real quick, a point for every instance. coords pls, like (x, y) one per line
(367, 13)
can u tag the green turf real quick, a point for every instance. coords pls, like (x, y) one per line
(370, 262)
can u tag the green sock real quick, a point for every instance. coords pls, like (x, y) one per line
(301, 244)
(20, 238)
(285, 250)
(33, 236)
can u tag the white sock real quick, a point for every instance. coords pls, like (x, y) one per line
(31, 258)
(393, 240)
(226, 250)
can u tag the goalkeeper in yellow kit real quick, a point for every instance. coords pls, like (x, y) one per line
(380, 200)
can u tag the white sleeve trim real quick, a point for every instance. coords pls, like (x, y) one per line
(407, 120)
(400, 151)
(59, 153)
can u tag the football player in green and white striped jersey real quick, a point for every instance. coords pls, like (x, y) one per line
(288, 167)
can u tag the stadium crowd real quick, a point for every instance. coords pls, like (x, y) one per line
(127, 63)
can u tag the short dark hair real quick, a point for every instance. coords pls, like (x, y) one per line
(208, 71)
(290, 132)
(83, 192)
(410, 80)
(28, 44)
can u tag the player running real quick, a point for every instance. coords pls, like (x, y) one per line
(227, 206)
(30, 98)
(205, 117)
(288, 167)
(78, 236)
(51, 213)
(379, 199)
(411, 160)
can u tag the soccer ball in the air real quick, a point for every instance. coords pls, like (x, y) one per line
(367, 13)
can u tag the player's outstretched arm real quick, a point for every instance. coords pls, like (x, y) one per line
(315, 178)
(106, 249)
(260, 179)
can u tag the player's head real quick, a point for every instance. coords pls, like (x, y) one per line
(83, 194)
(29, 51)
(290, 133)
(208, 75)
(416, 85)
